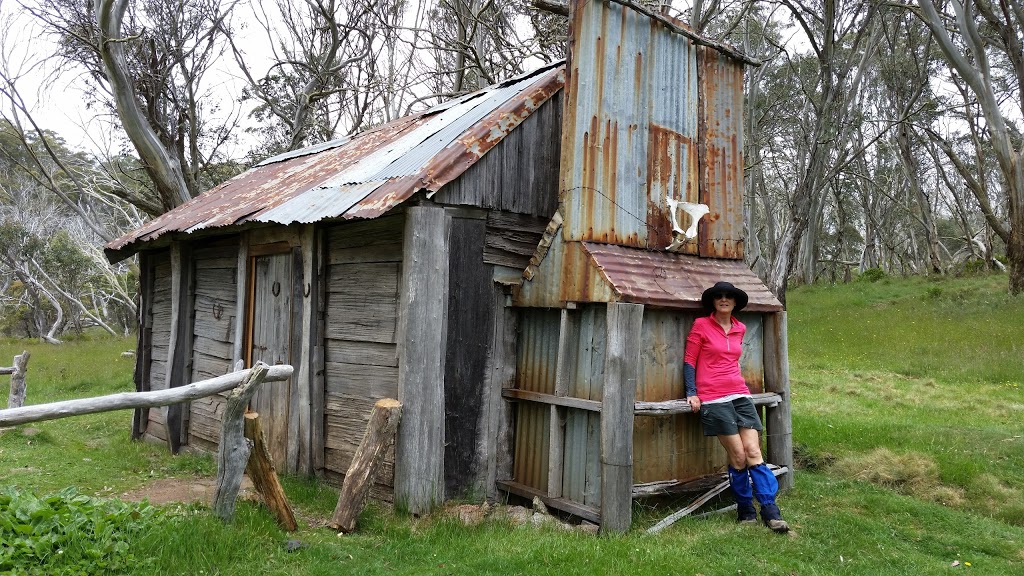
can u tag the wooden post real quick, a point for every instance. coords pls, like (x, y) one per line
(179, 349)
(380, 433)
(144, 351)
(233, 451)
(241, 299)
(567, 345)
(263, 474)
(422, 335)
(779, 423)
(16, 397)
(621, 368)
(501, 374)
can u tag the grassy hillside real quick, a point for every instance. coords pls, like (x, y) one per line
(908, 418)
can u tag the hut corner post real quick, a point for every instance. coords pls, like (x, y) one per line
(422, 334)
(621, 368)
(779, 423)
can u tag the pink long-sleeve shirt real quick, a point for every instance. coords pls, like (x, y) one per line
(716, 357)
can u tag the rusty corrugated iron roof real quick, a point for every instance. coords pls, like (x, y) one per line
(670, 280)
(366, 175)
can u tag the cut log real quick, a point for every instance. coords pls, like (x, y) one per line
(263, 473)
(233, 452)
(380, 433)
(18, 387)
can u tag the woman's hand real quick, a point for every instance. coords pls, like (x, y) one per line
(694, 403)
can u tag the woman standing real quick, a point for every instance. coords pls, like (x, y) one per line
(716, 389)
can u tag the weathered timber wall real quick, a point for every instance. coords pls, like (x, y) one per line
(470, 320)
(520, 174)
(361, 361)
(159, 315)
(216, 295)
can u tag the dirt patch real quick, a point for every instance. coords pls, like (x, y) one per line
(184, 490)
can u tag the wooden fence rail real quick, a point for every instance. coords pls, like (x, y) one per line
(128, 400)
(234, 449)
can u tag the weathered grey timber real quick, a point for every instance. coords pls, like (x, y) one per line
(779, 421)
(501, 375)
(234, 448)
(380, 434)
(158, 316)
(670, 407)
(621, 367)
(128, 400)
(16, 397)
(419, 453)
(306, 341)
(568, 331)
(241, 288)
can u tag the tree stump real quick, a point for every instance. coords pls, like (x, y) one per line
(380, 433)
(262, 472)
(16, 398)
(234, 448)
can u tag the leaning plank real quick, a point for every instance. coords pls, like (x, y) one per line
(263, 473)
(17, 395)
(233, 452)
(380, 433)
(718, 489)
(128, 400)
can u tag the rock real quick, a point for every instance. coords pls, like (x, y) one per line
(588, 527)
(539, 507)
(128, 354)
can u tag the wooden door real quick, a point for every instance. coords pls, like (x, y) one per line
(269, 335)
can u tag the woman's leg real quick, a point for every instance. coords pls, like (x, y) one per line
(765, 484)
(739, 478)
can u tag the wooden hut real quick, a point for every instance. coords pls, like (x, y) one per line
(498, 263)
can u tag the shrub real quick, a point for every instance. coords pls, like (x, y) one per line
(872, 275)
(68, 533)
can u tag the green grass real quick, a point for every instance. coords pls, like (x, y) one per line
(908, 403)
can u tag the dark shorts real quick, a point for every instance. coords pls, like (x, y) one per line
(726, 418)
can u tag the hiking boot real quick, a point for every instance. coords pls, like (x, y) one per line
(746, 514)
(772, 518)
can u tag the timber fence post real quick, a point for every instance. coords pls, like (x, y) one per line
(621, 368)
(233, 450)
(16, 398)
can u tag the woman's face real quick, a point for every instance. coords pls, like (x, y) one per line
(724, 303)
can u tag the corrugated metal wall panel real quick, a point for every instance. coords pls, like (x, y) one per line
(537, 355)
(721, 94)
(631, 109)
(604, 145)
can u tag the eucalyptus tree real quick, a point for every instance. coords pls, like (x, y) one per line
(981, 41)
(843, 37)
(152, 64)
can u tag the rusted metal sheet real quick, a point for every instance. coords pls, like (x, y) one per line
(366, 175)
(563, 275)
(536, 361)
(631, 104)
(671, 280)
(721, 161)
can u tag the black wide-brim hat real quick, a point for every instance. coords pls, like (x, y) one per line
(707, 299)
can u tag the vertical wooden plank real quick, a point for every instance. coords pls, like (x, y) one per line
(242, 300)
(298, 402)
(501, 374)
(419, 451)
(144, 353)
(178, 371)
(470, 317)
(568, 335)
(621, 367)
(317, 394)
(779, 423)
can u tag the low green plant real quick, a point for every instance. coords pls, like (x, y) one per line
(68, 533)
(872, 275)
